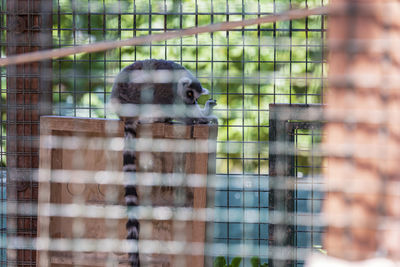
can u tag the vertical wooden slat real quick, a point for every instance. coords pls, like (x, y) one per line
(200, 133)
(45, 164)
(28, 96)
(210, 204)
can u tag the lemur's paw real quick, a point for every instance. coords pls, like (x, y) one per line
(211, 102)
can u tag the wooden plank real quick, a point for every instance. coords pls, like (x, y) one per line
(201, 131)
(88, 259)
(211, 171)
(177, 131)
(74, 124)
(29, 95)
(155, 130)
(178, 163)
(151, 195)
(199, 203)
(45, 162)
(83, 159)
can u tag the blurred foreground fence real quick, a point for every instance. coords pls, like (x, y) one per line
(269, 81)
(362, 132)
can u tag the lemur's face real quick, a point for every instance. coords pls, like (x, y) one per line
(190, 90)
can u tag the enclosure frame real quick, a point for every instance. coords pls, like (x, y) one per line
(284, 120)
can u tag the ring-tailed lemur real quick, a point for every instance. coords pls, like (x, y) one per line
(172, 92)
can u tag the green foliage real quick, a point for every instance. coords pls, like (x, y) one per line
(254, 261)
(221, 262)
(235, 262)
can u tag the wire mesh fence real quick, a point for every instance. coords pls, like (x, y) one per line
(245, 70)
(295, 181)
(3, 119)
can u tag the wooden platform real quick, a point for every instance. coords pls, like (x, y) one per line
(81, 204)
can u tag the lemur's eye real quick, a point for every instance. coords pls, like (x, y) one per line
(189, 94)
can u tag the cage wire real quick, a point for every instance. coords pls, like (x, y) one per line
(3, 118)
(308, 193)
(245, 70)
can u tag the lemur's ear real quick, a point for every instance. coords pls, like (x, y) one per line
(204, 91)
(185, 82)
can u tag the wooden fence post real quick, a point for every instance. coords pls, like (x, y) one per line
(29, 94)
(192, 155)
(362, 130)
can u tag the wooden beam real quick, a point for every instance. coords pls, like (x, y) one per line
(29, 94)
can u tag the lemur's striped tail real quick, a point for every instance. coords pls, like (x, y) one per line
(131, 196)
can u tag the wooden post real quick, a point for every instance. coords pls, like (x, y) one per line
(91, 155)
(29, 94)
(190, 154)
(165, 154)
(362, 131)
